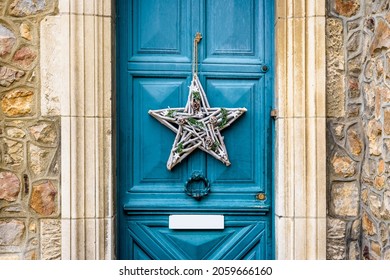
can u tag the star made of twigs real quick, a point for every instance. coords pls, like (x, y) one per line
(197, 126)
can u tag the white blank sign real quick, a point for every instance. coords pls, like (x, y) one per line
(196, 222)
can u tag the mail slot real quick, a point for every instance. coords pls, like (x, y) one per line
(196, 222)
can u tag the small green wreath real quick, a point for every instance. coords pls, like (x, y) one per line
(193, 189)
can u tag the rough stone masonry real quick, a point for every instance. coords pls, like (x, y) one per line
(358, 125)
(29, 142)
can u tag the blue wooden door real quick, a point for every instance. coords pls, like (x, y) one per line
(155, 41)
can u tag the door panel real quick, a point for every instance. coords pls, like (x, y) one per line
(151, 239)
(149, 173)
(243, 139)
(234, 28)
(154, 71)
(152, 141)
(158, 30)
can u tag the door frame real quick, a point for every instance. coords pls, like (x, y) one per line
(88, 148)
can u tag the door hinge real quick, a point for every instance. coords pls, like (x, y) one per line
(261, 196)
(274, 113)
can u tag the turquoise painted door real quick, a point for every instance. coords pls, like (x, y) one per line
(155, 41)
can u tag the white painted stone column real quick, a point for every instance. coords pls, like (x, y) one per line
(77, 80)
(300, 194)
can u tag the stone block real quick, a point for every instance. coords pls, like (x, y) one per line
(25, 31)
(345, 199)
(9, 257)
(385, 231)
(13, 153)
(388, 65)
(386, 255)
(369, 70)
(386, 206)
(8, 76)
(9, 186)
(18, 103)
(353, 25)
(22, 8)
(44, 133)
(343, 166)
(55, 68)
(383, 91)
(375, 204)
(369, 96)
(353, 110)
(355, 142)
(346, 8)
(364, 196)
(386, 121)
(15, 132)
(355, 229)
(39, 159)
(354, 42)
(337, 130)
(336, 228)
(336, 242)
(24, 57)
(379, 182)
(368, 225)
(354, 251)
(354, 87)
(33, 227)
(379, 67)
(43, 198)
(381, 167)
(336, 249)
(31, 255)
(11, 232)
(386, 144)
(381, 39)
(7, 40)
(50, 239)
(376, 249)
(374, 132)
(355, 65)
(335, 85)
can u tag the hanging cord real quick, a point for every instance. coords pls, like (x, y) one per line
(197, 39)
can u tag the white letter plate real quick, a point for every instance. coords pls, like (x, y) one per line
(196, 222)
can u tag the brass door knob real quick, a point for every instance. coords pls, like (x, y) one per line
(261, 196)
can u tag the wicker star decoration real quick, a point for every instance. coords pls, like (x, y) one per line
(197, 125)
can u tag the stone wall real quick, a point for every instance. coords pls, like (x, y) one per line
(29, 139)
(358, 129)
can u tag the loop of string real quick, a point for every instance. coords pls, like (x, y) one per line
(194, 59)
(197, 39)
